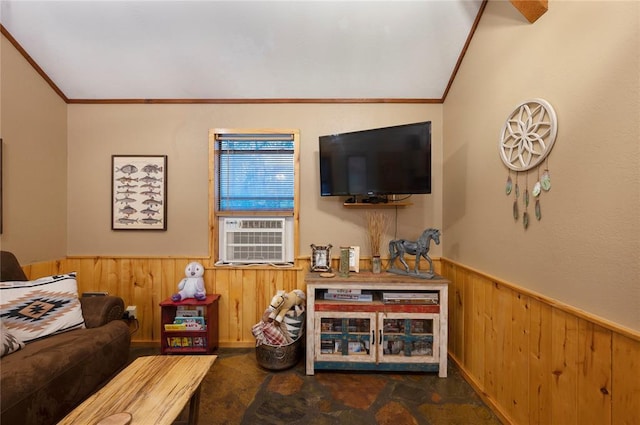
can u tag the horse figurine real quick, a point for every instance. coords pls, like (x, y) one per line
(419, 248)
(283, 302)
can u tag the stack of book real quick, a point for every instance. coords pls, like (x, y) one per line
(188, 318)
(190, 311)
(182, 342)
(410, 298)
(347, 295)
(186, 323)
(327, 346)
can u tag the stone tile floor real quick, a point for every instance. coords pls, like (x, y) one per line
(238, 391)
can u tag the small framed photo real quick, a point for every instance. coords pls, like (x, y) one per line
(139, 192)
(321, 258)
(354, 259)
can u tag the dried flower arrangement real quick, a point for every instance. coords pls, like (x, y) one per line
(376, 226)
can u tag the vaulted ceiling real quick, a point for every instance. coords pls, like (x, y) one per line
(244, 50)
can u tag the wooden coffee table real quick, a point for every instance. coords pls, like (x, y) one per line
(153, 389)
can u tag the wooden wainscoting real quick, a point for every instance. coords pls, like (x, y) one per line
(145, 282)
(537, 361)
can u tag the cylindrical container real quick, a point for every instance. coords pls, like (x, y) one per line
(280, 357)
(376, 264)
(344, 261)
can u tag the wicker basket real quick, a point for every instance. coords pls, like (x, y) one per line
(280, 357)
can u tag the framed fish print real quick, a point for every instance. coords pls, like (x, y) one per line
(139, 192)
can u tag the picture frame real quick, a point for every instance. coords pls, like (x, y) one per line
(321, 258)
(139, 192)
(354, 259)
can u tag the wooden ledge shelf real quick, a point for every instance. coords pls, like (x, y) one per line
(378, 205)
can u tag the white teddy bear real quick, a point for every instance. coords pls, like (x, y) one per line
(192, 286)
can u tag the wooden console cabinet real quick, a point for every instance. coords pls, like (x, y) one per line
(400, 323)
(203, 341)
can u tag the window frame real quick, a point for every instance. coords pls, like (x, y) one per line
(215, 213)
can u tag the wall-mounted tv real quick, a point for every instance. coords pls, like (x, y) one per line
(377, 162)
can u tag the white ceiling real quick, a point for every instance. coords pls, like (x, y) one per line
(152, 49)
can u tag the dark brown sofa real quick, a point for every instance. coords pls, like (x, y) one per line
(42, 382)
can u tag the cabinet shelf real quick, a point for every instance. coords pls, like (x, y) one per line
(186, 350)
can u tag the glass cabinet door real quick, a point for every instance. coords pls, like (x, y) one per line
(408, 338)
(342, 336)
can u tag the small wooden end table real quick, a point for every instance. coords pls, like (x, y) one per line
(190, 341)
(153, 389)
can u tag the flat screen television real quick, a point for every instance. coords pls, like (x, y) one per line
(372, 164)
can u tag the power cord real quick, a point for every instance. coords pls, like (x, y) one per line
(134, 320)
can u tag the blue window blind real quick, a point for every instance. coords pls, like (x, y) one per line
(255, 172)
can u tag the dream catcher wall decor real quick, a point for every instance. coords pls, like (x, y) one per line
(526, 140)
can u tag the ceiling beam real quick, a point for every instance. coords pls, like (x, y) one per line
(531, 9)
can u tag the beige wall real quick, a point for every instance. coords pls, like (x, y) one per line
(181, 132)
(92, 133)
(582, 57)
(33, 121)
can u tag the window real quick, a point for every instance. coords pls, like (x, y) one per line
(253, 180)
(255, 172)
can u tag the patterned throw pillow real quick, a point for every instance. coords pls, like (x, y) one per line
(39, 308)
(9, 342)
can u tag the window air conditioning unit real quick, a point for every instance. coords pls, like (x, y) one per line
(256, 240)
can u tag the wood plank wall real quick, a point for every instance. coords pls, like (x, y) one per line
(145, 282)
(534, 360)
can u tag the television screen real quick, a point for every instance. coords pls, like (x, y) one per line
(383, 161)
